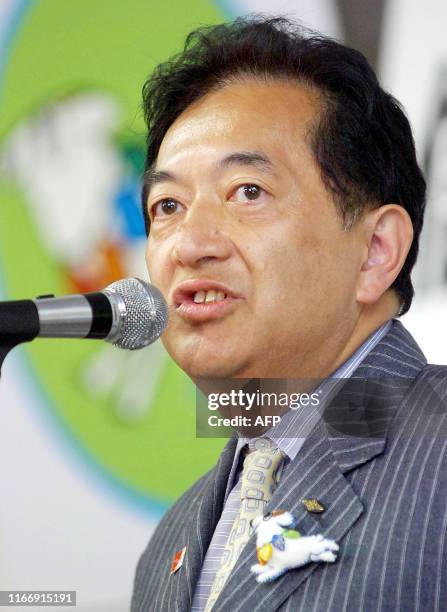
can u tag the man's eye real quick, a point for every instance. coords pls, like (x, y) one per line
(247, 193)
(165, 207)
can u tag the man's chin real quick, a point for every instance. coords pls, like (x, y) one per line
(209, 366)
(210, 370)
(201, 357)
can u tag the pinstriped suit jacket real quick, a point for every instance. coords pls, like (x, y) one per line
(385, 496)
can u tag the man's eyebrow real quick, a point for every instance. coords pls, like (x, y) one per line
(154, 177)
(246, 158)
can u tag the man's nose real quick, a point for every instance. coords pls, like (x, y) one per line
(202, 235)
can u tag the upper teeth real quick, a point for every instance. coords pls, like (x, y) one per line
(208, 296)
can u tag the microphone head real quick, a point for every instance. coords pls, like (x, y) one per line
(140, 313)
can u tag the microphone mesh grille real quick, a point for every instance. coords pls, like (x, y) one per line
(145, 313)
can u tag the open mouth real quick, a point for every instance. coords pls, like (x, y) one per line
(203, 300)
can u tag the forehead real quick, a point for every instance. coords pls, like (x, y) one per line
(273, 116)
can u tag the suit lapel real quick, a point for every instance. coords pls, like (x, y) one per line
(199, 527)
(318, 471)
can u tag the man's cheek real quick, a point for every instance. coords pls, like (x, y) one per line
(158, 268)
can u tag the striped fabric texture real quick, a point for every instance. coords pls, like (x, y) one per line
(385, 499)
(288, 436)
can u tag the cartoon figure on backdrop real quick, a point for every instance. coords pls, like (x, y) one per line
(78, 182)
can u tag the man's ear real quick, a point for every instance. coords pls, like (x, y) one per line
(388, 234)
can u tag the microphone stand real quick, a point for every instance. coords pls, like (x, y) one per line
(19, 322)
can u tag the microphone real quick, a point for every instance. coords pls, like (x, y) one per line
(129, 313)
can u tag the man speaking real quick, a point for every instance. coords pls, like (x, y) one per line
(284, 203)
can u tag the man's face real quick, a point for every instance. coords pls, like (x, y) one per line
(240, 218)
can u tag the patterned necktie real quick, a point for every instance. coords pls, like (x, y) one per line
(258, 481)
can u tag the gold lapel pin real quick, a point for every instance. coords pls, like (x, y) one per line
(313, 505)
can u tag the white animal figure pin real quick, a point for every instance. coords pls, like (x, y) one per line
(280, 547)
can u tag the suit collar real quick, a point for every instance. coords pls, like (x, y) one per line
(359, 418)
(397, 355)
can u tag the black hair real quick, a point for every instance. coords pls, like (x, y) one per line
(362, 141)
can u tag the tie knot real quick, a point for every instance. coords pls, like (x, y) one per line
(261, 444)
